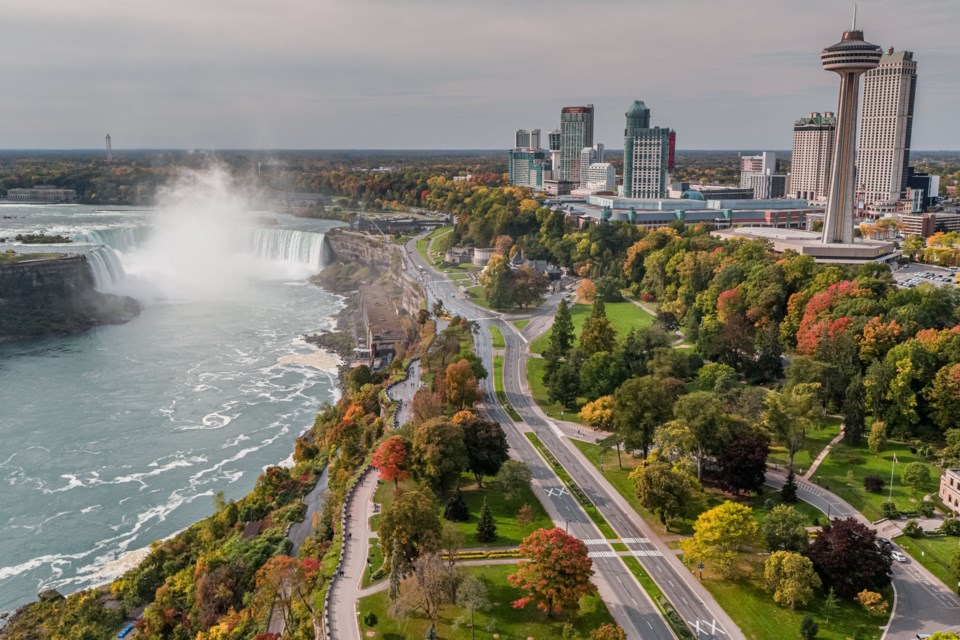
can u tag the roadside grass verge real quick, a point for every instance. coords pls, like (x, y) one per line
(509, 532)
(500, 391)
(520, 324)
(501, 620)
(813, 443)
(933, 552)
(496, 338)
(541, 396)
(374, 564)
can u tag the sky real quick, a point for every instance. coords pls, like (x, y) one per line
(444, 74)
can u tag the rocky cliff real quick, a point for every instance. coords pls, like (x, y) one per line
(55, 297)
(379, 254)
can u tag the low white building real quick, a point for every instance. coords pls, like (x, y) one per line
(601, 176)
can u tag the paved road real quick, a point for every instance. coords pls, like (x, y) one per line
(923, 603)
(346, 589)
(628, 603)
(403, 393)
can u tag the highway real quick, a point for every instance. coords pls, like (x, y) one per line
(627, 601)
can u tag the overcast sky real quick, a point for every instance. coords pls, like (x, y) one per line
(447, 74)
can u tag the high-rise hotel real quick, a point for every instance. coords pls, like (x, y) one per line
(647, 155)
(813, 140)
(576, 132)
(886, 125)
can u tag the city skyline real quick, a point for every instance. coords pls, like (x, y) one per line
(375, 75)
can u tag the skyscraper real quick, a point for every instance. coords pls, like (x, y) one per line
(521, 139)
(576, 132)
(647, 155)
(886, 125)
(813, 139)
(849, 58)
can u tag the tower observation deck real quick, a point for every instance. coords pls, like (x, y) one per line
(849, 58)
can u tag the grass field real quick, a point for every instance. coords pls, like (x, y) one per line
(624, 316)
(502, 619)
(760, 618)
(845, 467)
(374, 562)
(496, 338)
(520, 324)
(814, 442)
(934, 553)
(509, 531)
(423, 244)
(540, 395)
(478, 296)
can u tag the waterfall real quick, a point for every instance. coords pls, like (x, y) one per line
(106, 268)
(289, 246)
(120, 238)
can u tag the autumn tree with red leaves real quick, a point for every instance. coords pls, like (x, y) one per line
(558, 573)
(390, 459)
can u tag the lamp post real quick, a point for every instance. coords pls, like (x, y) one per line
(700, 570)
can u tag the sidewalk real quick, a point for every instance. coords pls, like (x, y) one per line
(346, 588)
(823, 454)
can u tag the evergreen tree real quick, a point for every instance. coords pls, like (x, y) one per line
(854, 411)
(562, 335)
(769, 362)
(431, 633)
(597, 334)
(788, 494)
(808, 628)
(486, 527)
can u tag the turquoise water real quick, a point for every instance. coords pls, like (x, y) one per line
(120, 436)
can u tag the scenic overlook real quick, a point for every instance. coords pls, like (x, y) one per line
(503, 320)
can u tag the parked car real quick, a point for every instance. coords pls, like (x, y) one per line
(898, 556)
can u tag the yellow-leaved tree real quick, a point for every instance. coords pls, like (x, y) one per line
(720, 535)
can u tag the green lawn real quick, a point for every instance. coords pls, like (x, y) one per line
(760, 618)
(620, 479)
(520, 324)
(814, 442)
(497, 338)
(509, 531)
(845, 467)
(423, 244)
(478, 296)
(540, 395)
(502, 619)
(374, 562)
(934, 553)
(624, 316)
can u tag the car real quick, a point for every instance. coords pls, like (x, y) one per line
(898, 556)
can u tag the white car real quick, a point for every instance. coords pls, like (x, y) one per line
(898, 556)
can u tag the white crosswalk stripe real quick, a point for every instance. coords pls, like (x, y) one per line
(645, 553)
(602, 554)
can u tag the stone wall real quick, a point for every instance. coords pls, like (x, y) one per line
(55, 297)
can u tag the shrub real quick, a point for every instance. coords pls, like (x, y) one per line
(808, 628)
(370, 619)
(873, 484)
(873, 602)
(950, 527)
(889, 510)
(926, 509)
(456, 509)
(913, 529)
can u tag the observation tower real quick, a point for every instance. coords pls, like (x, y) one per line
(850, 58)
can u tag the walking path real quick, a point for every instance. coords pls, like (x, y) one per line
(403, 392)
(345, 589)
(823, 454)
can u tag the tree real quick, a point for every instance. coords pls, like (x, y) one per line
(439, 453)
(790, 577)
(720, 534)
(701, 422)
(854, 411)
(808, 628)
(456, 509)
(873, 602)
(944, 396)
(525, 516)
(426, 589)
(460, 385)
(495, 279)
(390, 459)
(597, 333)
(848, 559)
(788, 494)
(640, 406)
(426, 405)
(514, 479)
(769, 359)
(409, 526)
(564, 385)
(472, 594)
(743, 463)
(586, 290)
(486, 445)
(486, 527)
(562, 335)
(599, 413)
(528, 286)
(916, 475)
(878, 436)
(397, 564)
(789, 415)
(716, 378)
(557, 574)
(601, 374)
(288, 581)
(666, 491)
(785, 529)
(608, 631)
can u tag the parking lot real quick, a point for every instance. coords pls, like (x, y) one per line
(911, 275)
